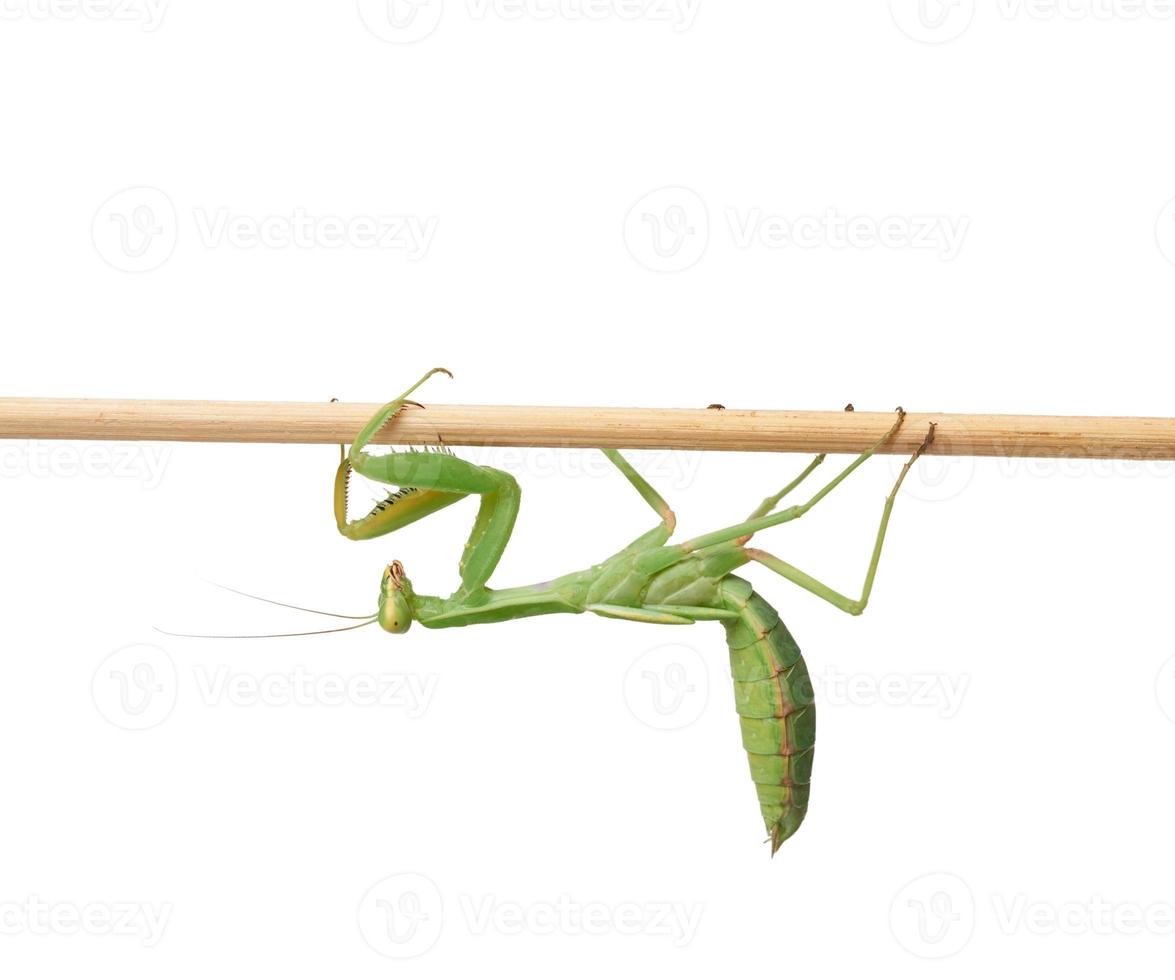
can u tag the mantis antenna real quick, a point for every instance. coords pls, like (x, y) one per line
(261, 636)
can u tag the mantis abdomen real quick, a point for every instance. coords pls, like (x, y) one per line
(773, 696)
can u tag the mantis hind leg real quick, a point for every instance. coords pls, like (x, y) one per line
(762, 520)
(852, 606)
(427, 482)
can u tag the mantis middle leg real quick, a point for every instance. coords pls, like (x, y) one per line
(645, 489)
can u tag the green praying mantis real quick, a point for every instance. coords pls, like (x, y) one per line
(649, 581)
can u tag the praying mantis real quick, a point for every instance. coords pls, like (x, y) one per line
(649, 581)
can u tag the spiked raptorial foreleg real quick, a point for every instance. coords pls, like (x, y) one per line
(428, 481)
(400, 507)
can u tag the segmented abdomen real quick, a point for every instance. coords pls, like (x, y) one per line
(773, 695)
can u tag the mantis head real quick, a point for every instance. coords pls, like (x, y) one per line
(395, 600)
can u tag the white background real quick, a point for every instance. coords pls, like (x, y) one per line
(960, 208)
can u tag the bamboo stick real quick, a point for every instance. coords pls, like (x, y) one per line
(621, 428)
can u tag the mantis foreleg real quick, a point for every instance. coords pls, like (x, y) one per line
(430, 481)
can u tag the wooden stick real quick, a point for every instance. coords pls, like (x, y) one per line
(622, 428)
